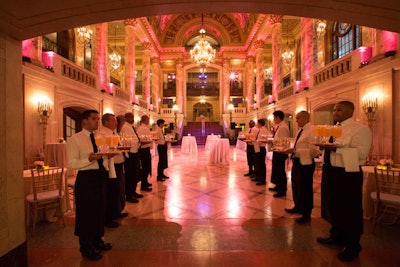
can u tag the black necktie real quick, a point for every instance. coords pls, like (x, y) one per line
(297, 138)
(275, 131)
(250, 130)
(95, 150)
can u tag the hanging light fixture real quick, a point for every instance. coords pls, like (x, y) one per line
(287, 54)
(320, 29)
(202, 53)
(84, 34)
(115, 58)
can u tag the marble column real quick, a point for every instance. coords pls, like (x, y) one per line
(225, 85)
(276, 56)
(250, 83)
(156, 77)
(306, 51)
(130, 57)
(101, 46)
(146, 73)
(179, 84)
(259, 44)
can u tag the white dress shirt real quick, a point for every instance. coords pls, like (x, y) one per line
(282, 130)
(355, 141)
(79, 146)
(304, 149)
(160, 136)
(127, 130)
(144, 130)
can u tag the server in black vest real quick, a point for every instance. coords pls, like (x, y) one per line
(90, 187)
(342, 179)
(303, 166)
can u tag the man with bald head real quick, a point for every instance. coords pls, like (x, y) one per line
(342, 178)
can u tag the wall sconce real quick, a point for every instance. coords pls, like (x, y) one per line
(175, 109)
(44, 110)
(370, 106)
(320, 29)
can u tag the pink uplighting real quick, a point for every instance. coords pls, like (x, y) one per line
(365, 54)
(298, 86)
(389, 41)
(110, 88)
(48, 59)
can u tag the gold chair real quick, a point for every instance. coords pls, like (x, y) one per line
(387, 195)
(47, 193)
(71, 190)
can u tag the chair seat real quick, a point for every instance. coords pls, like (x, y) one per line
(43, 196)
(392, 199)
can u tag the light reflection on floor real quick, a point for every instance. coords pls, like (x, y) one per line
(207, 215)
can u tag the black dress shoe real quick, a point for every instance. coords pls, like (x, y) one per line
(303, 219)
(147, 189)
(280, 194)
(248, 174)
(136, 195)
(103, 246)
(111, 224)
(132, 200)
(122, 215)
(348, 254)
(273, 189)
(160, 179)
(261, 183)
(292, 211)
(254, 180)
(328, 241)
(165, 177)
(252, 176)
(93, 255)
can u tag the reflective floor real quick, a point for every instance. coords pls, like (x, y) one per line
(212, 216)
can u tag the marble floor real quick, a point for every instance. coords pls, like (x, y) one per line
(211, 216)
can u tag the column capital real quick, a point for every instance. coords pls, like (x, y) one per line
(147, 45)
(275, 19)
(130, 22)
(259, 44)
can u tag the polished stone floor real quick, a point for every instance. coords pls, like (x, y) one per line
(212, 216)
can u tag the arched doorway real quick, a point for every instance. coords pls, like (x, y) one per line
(203, 110)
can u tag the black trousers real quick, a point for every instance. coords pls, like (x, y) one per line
(278, 172)
(132, 174)
(250, 157)
(90, 201)
(302, 186)
(341, 197)
(145, 165)
(259, 165)
(119, 170)
(162, 159)
(115, 193)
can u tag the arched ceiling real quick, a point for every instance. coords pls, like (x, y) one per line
(23, 19)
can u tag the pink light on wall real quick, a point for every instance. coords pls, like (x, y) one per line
(298, 86)
(306, 51)
(365, 54)
(389, 41)
(48, 58)
(110, 88)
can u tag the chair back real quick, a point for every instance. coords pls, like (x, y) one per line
(46, 180)
(387, 181)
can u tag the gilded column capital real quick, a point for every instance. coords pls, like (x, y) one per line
(147, 45)
(130, 22)
(249, 59)
(178, 61)
(259, 44)
(155, 60)
(275, 19)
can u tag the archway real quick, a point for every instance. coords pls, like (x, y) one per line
(203, 111)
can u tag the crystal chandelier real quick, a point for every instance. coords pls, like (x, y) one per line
(202, 53)
(84, 34)
(287, 54)
(320, 29)
(115, 58)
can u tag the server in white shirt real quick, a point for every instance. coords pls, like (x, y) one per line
(250, 149)
(145, 156)
(90, 187)
(132, 160)
(259, 154)
(342, 179)
(162, 150)
(115, 177)
(278, 172)
(303, 166)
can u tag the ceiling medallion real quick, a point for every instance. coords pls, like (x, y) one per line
(202, 53)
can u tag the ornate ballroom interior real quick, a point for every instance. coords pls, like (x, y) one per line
(59, 59)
